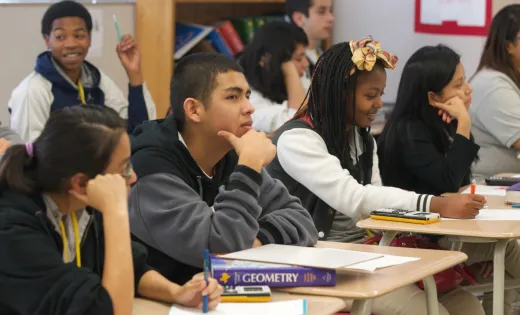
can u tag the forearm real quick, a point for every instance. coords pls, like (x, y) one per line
(154, 286)
(135, 78)
(295, 91)
(118, 273)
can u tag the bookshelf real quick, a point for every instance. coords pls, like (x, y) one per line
(155, 32)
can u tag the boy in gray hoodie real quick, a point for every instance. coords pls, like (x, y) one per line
(201, 178)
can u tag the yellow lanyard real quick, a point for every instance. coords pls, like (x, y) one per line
(76, 236)
(81, 93)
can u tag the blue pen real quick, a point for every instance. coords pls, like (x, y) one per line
(205, 300)
(517, 205)
(118, 32)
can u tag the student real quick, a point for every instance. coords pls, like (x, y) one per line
(495, 110)
(315, 17)
(274, 63)
(427, 147)
(62, 77)
(64, 229)
(327, 158)
(201, 178)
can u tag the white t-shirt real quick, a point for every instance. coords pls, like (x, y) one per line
(495, 118)
(268, 115)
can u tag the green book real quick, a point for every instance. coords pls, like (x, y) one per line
(258, 21)
(245, 28)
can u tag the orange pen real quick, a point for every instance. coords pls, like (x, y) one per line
(473, 187)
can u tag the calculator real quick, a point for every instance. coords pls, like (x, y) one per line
(238, 294)
(401, 215)
(502, 181)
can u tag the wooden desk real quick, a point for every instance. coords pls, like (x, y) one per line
(316, 305)
(363, 287)
(471, 231)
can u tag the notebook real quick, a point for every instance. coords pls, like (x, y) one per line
(293, 307)
(513, 194)
(328, 258)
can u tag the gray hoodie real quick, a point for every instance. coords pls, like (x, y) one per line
(177, 211)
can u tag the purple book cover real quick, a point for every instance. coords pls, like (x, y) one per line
(242, 273)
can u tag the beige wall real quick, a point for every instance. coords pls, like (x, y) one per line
(21, 42)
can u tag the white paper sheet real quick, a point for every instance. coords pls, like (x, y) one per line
(488, 190)
(464, 12)
(96, 42)
(383, 262)
(303, 256)
(293, 307)
(495, 215)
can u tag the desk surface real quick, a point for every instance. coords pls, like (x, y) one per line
(316, 305)
(382, 281)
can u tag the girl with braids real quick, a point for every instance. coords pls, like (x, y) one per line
(64, 226)
(327, 157)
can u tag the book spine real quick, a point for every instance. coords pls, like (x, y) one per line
(276, 278)
(231, 36)
(219, 44)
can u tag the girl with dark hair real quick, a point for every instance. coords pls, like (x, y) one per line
(274, 63)
(64, 226)
(427, 147)
(426, 144)
(495, 111)
(327, 157)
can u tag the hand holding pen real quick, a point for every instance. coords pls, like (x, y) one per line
(192, 293)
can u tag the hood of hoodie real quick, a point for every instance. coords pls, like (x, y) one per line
(49, 69)
(156, 148)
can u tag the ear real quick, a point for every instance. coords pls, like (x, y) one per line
(193, 109)
(78, 183)
(299, 19)
(432, 97)
(47, 41)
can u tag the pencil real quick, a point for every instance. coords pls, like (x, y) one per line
(118, 32)
(205, 300)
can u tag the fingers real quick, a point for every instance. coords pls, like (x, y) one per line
(231, 138)
(198, 276)
(478, 198)
(439, 105)
(214, 290)
(127, 43)
(214, 303)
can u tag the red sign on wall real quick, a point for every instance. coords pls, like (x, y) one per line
(453, 17)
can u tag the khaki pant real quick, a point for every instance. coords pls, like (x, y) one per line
(484, 252)
(411, 300)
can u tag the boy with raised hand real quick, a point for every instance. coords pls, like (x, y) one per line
(201, 178)
(62, 77)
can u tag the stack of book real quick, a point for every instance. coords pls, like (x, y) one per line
(227, 37)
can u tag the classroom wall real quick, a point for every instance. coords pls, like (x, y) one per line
(22, 41)
(392, 23)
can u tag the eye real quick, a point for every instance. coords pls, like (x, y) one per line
(232, 97)
(60, 37)
(80, 36)
(371, 97)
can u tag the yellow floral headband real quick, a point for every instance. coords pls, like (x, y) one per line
(365, 53)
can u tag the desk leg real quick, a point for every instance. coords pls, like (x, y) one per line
(499, 277)
(432, 302)
(387, 238)
(362, 307)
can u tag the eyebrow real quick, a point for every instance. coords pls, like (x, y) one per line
(236, 89)
(375, 89)
(76, 30)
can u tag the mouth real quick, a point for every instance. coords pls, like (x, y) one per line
(72, 55)
(247, 125)
(468, 102)
(372, 116)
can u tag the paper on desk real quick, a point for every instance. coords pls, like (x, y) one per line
(495, 215)
(328, 258)
(293, 307)
(488, 190)
(382, 262)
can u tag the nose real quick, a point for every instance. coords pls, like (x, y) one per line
(470, 88)
(70, 41)
(331, 17)
(132, 179)
(378, 103)
(248, 108)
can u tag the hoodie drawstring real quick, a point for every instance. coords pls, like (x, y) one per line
(81, 93)
(76, 237)
(199, 181)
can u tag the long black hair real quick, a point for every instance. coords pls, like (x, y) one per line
(332, 85)
(262, 59)
(503, 32)
(77, 139)
(429, 69)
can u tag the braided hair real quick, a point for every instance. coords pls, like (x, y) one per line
(332, 85)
